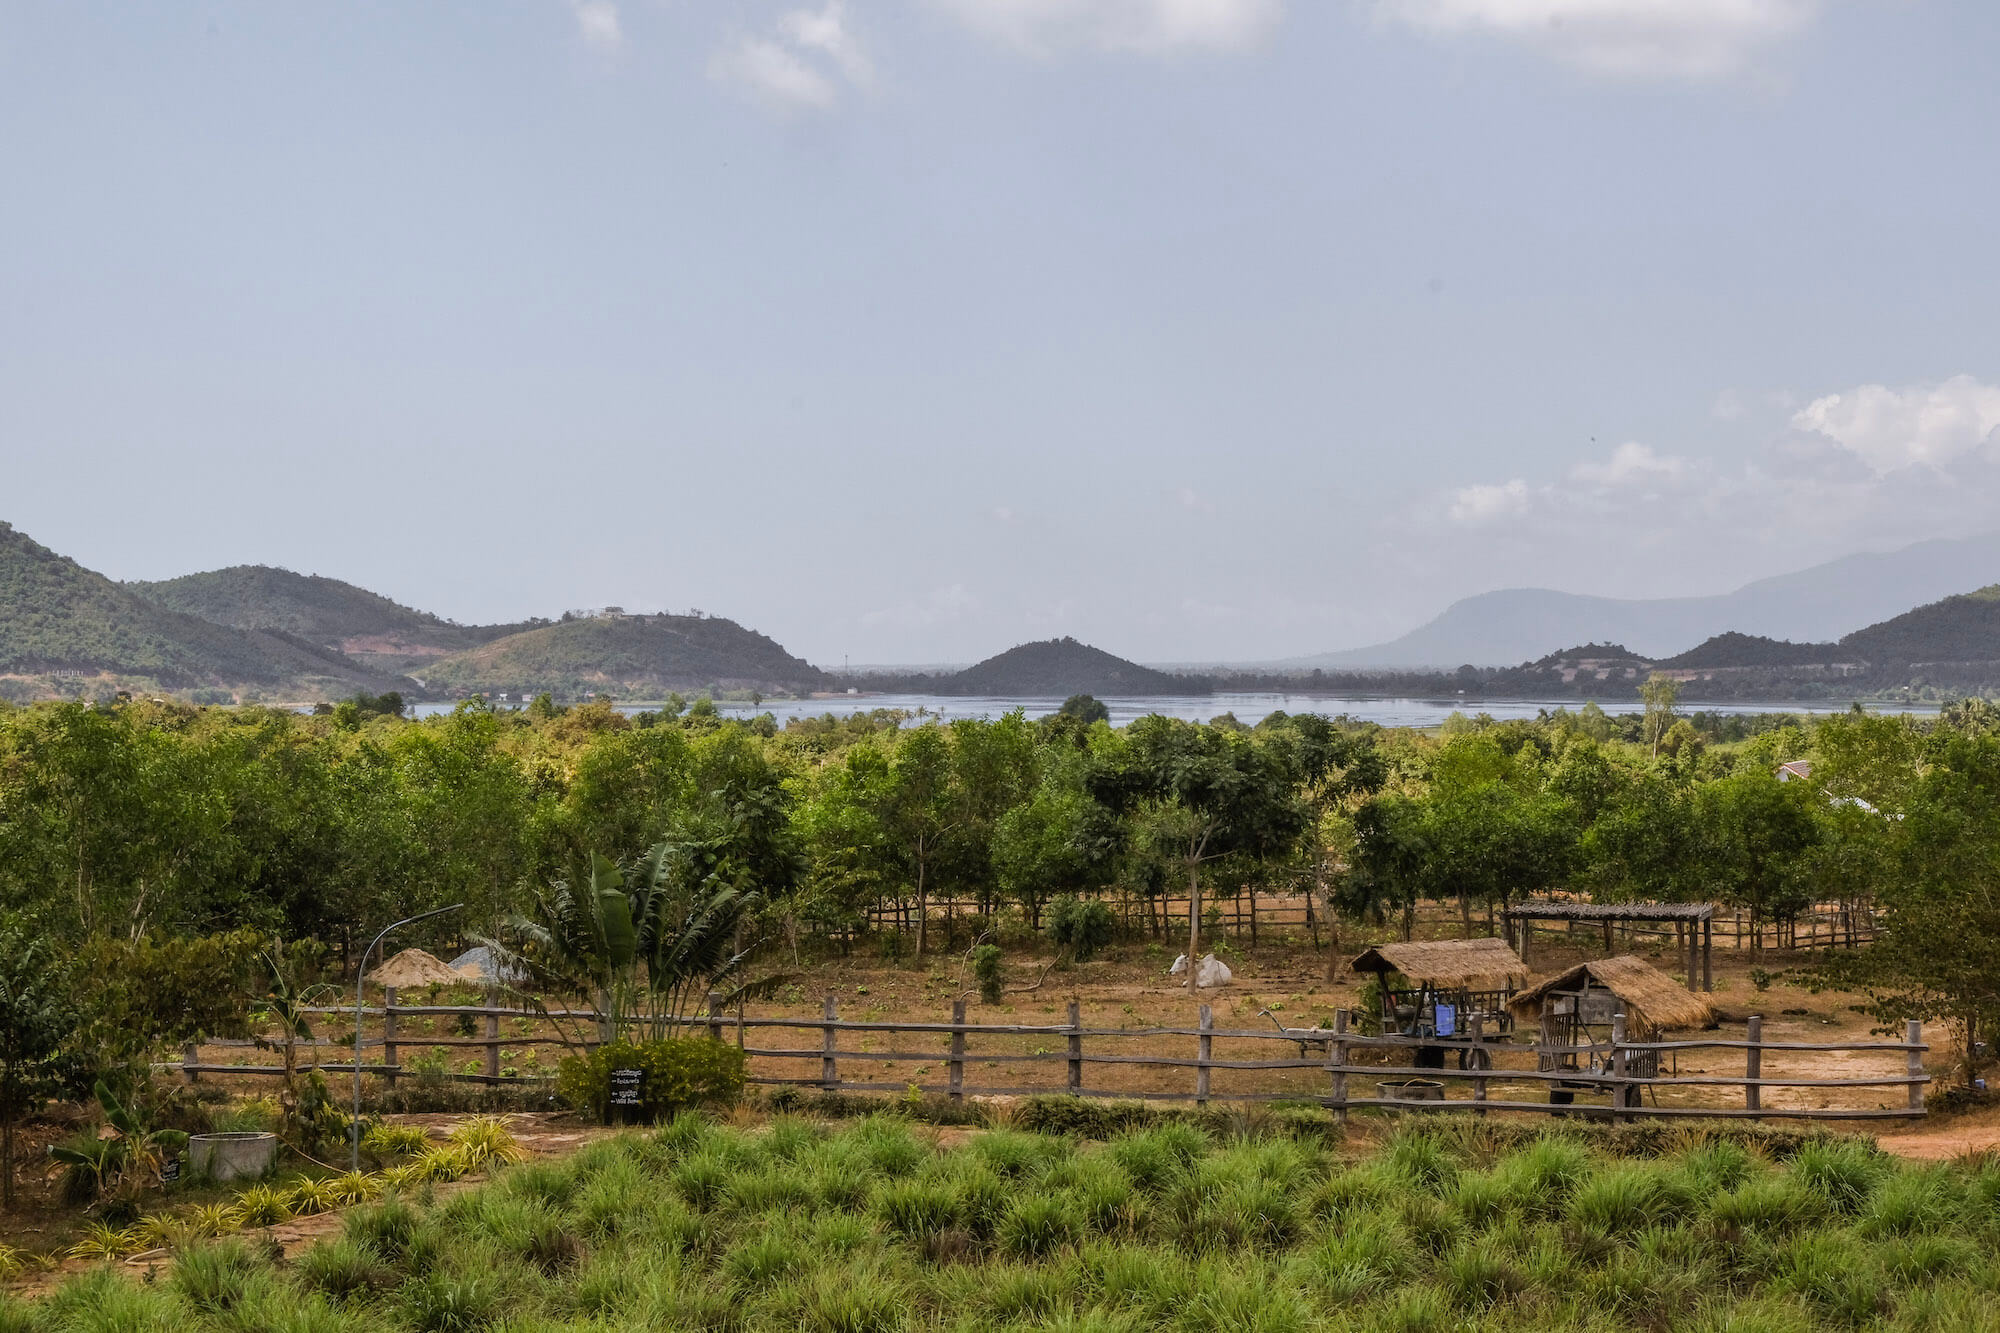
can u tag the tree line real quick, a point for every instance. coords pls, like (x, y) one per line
(134, 825)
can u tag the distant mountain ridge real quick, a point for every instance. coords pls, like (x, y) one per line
(1048, 668)
(646, 656)
(60, 622)
(378, 633)
(1819, 604)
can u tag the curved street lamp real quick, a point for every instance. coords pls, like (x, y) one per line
(360, 976)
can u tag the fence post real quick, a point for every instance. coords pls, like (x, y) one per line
(829, 1067)
(190, 1062)
(390, 1060)
(958, 1049)
(1618, 1064)
(715, 1016)
(1339, 1049)
(1913, 1033)
(492, 1033)
(1075, 1049)
(1477, 1057)
(1204, 1048)
(1753, 1063)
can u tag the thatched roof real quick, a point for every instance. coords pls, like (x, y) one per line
(1651, 997)
(1481, 964)
(414, 967)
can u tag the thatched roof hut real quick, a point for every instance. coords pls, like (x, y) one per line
(1478, 964)
(414, 967)
(1651, 1001)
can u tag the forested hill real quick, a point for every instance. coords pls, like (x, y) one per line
(61, 622)
(627, 655)
(1754, 650)
(367, 626)
(1965, 628)
(1062, 667)
(310, 606)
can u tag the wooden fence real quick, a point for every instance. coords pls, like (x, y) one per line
(1489, 1074)
(1823, 925)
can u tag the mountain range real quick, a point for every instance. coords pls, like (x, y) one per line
(1819, 604)
(253, 632)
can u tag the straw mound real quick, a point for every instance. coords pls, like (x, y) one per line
(414, 967)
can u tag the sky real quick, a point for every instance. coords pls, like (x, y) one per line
(907, 330)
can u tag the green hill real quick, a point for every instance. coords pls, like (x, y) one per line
(1057, 668)
(643, 657)
(1754, 650)
(64, 627)
(365, 626)
(1965, 628)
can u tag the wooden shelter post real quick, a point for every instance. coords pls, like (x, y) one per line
(1707, 952)
(1204, 1049)
(958, 1049)
(1913, 1033)
(1753, 1063)
(1338, 1050)
(829, 1066)
(389, 1051)
(1619, 1098)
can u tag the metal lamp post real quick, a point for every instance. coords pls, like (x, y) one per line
(354, 1125)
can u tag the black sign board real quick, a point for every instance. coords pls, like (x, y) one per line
(170, 1170)
(625, 1090)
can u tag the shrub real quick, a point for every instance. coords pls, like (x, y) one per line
(986, 971)
(1081, 926)
(343, 1268)
(448, 1305)
(675, 1075)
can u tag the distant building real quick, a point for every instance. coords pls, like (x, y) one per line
(1798, 768)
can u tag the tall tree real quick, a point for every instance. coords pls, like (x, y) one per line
(36, 1017)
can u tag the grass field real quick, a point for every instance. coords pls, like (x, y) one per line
(880, 1227)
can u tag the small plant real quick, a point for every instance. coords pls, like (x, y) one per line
(438, 1304)
(384, 1141)
(986, 972)
(100, 1240)
(343, 1268)
(1762, 979)
(1081, 927)
(314, 1196)
(485, 1138)
(262, 1206)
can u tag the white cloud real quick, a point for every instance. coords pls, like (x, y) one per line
(1645, 39)
(1485, 504)
(827, 31)
(799, 66)
(597, 22)
(1895, 428)
(1141, 27)
(1631, 463)
(1870, 467)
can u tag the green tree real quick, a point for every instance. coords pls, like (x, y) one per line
(36, 1018)
(1660, 692)
(1940, 930)
(1195, 795)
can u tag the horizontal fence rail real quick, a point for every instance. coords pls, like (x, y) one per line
(1338, 1067)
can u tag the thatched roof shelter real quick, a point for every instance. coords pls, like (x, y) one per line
(1479, 964)
(414, 967)
(1651, 1001)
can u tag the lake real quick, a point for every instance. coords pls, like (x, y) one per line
(1248, 708)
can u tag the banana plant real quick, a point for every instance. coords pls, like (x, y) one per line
(287, 1005)
(136, 1152)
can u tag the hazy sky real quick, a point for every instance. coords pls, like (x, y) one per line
(905, 330)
